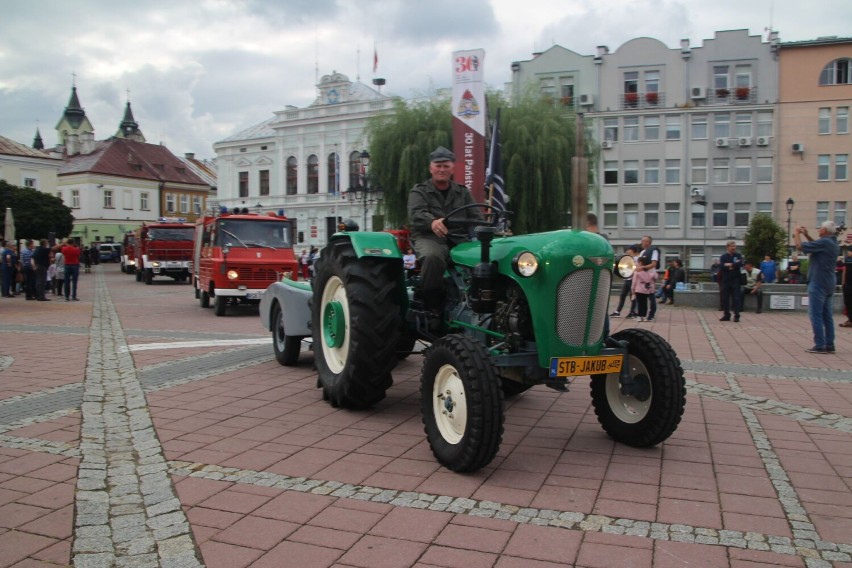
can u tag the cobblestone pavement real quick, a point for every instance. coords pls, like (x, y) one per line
(138, 429)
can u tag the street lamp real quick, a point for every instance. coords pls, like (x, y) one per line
(790, 203)
(364, 191)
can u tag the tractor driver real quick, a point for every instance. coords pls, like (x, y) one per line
(428, 204)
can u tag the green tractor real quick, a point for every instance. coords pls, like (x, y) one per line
(521, 311)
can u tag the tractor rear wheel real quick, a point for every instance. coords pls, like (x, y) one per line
(286, 347)
(650, 411)
(461, 403)
(355, 315)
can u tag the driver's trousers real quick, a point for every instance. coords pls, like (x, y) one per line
(433, 256)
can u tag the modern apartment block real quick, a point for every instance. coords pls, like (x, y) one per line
(687, 136)
(814, 139)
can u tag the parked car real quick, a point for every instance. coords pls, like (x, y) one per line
(109, 252)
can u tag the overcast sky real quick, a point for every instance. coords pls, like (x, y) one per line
(200, 71)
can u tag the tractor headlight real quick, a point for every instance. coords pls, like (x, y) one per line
(525, 264)
(233, 275)
(626, 266)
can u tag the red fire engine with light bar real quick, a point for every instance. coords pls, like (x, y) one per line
(239, 254)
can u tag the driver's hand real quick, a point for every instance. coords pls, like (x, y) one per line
(439, 228)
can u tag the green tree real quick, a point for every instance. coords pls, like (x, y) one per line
(36, 213)
(764, 236)
(537, 146)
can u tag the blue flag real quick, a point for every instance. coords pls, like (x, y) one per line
(494, 185)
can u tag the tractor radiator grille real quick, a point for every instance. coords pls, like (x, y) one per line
(572, 305)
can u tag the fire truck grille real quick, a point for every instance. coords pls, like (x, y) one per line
(257, 273)
(573, 296)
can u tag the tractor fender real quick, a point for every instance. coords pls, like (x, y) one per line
(381, 245)
(294, 298)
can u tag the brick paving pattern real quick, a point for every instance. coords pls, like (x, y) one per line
(138, 429)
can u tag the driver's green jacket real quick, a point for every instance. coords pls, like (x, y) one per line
(427, 203)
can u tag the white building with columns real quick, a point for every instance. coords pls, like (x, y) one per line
(303, 160)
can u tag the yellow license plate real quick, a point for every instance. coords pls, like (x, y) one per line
(574, 366)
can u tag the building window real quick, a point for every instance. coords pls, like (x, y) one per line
(107, 199)
(333, 173)
(652, 214)
(823, 167)
(721, 170)
(652, 172)
(610, 215)
(292, 175)
(699, 214)
(720, 80)
(184, 203)
(672, 172)
(610, 172)
(720, 214)
(631, 82)
(631, 128)
(722, 125)
(824, 121)
(313, 174)
(763, 208)
(764, 124)
(196, 204)
(698, 173)
(652, 82)
(699, 127)
(611, 129)
(764, 170)
(244, 184)
(170, 203)
(673, 127)
(631, 172)
(742, 76)
(30, 182)
(743, 124)
(652, 127)
(566, 90)
(836, 73)
(75, 199)
(672, 214)
(143, 201)
(840, 214)
(821, 212)
(841, 167)
(263, 180)
(354, 169)
(547, 88)
(631, 215)
(842, 120)
(742, 170)
(741, 214)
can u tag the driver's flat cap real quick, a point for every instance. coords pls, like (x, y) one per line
(441, 154)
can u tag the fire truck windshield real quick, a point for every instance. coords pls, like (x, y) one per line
(253, 233)
(171, 234)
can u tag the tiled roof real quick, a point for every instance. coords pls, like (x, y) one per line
(131, 159)
(205, 169)
(12, 148)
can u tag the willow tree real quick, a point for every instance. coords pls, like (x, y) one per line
(537, 142)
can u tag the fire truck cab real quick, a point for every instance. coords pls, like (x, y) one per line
(239, 254)
(164, 248)
(128, 253)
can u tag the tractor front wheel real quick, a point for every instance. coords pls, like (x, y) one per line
(286, 347)
(461, 403)
(355, 316)
(647, 411)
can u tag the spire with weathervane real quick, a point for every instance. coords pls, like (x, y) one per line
(129, 128)
(73, 120)
(38, 143)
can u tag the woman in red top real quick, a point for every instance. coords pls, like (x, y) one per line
(72, 269)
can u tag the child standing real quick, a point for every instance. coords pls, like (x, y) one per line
(643, 286)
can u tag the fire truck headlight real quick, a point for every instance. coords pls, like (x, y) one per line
(155, 264)
(233, 275)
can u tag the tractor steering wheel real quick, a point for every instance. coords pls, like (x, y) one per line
(495, 212)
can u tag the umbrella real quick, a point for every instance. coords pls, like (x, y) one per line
(9, 232)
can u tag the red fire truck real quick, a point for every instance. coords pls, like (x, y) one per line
(238, 254)
(164, 248)
(128, 253)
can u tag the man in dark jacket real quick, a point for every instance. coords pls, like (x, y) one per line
(729, 276)
(428, 205)
(41, 262)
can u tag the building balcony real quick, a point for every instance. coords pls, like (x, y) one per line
(648, 100)
(736, 95)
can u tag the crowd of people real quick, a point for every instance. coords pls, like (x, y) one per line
(39, 269)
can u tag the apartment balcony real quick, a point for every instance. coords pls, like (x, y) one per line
(648, 100)
(735, 96)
